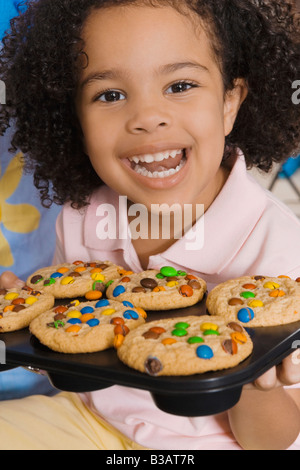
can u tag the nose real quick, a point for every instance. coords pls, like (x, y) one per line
(148, 119)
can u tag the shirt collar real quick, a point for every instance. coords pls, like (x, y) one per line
(210, 245)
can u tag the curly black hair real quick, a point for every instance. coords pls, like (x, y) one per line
(258, 40)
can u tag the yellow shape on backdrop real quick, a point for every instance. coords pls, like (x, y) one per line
(18, 218)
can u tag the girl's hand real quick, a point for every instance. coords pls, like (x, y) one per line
(9, 280)
(285, 374)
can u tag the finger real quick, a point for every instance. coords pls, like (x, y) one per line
(288, 372)
(9, 280)
(267, 381)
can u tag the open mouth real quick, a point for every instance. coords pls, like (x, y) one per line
(159, 165)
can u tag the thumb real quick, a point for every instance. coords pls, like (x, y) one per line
(9, 280)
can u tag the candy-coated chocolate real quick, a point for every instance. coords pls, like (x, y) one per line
(73, 329)
(271, 285)
(182, 325)
(230, 346)
(158, 329)
(62, 270)
(195, 340)
(87, 309)
(56, 275)
(169, 341)
(67, 280)
(247, 295)
(238, 337)
(30, 300)
(277, 293)
(148, 283)
(245, 315)
(204, 352)
(118, 341)
(249, 286)
(235, 301)
(186, 291)
(93, 322)
(93, 295)
(172, 283)
(118, 291)
(74, 314)
(211, 332)
(108, 311)
(179, 332)
(168, 271)
(98, 277)
(102, 303)
(153, 366)
(126, 303)
(255, 303)
(60, 309)
(74, 321)
(36, 279)
(121, 330)
(18, 301)
(49, 282)
(11, 296)
(117, 321)
(86, 317)
(209, 326)
(130, 315)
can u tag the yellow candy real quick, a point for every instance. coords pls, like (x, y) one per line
(98, 277)
(30, 300)
(271, 285)
(209, 326)
(75, 303)
(255, 303)
(74, 314)
(67, 280)
(172, 283)
(11, 296)
(108, 311)
(238, 337)
(141, 312)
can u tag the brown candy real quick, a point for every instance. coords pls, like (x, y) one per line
(18, 308)
(236, 327)
(18, 301)
(230, 347)
(194, 284)
(138, 289)
(3, 291)
(59, 316)
(36, 279)
(75, 274)
(259, 278)
(235, 301)
(125, 279)
(148, 283)
(153, 366)
(154, 333)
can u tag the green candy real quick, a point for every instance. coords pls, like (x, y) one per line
(179, 332)
(160, 276)
(211, 332)
(168, 271)
(181, 273)
(182, 325)
(247, 295)
(49, 282)
(195, 339)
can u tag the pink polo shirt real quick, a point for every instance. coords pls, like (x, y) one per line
(246, 230)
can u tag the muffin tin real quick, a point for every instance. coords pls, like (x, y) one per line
(197, 395)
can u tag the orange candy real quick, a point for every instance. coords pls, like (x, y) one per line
(169, 341)
(249, 286)
(73, 329)
(86, 317)
(186, 291)
(118, 341)
(277, 293)
(93, 295)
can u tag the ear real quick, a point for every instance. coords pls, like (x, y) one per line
(233, 101)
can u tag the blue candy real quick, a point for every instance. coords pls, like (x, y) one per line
(93, 322)
(56, 275)
(102, 303)
(74, 321)
(245, 315)
(130, 315)
(204, 352)
(127, 304)
(118, 291)
(87, 309)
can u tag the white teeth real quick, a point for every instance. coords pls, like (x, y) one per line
(159, 174)
(156, 157)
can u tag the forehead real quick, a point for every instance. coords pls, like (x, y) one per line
(129, 33)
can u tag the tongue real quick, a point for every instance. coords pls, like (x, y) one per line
(164, 165)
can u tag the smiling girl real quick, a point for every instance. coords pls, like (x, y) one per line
(165, 102)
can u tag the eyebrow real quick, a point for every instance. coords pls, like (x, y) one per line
(163, 70)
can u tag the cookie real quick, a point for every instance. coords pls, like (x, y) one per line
(86, 327)
(257, 301)
(76, 279)
(185, 346)
(18, 307)
(159, 290)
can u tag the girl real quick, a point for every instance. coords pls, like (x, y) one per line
(163, 102)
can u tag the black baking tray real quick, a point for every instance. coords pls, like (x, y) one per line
(196, 395)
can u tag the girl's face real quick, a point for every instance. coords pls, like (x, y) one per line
(151, 105)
